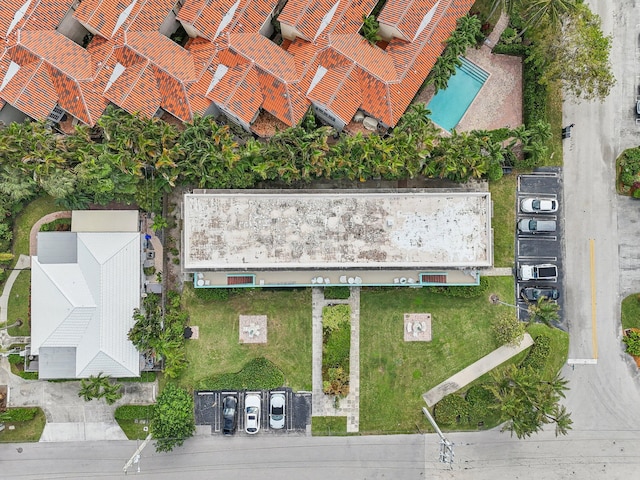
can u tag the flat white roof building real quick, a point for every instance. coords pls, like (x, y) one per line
(250, 231)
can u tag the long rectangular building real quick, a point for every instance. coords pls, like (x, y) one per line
(258, 238)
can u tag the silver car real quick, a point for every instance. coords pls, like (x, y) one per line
(277, 411)
(532, 225)
(252, 413)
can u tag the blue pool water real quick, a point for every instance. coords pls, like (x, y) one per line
(449, 106)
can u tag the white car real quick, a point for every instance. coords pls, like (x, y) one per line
(276, 411)
(252, 413)
(539, 205)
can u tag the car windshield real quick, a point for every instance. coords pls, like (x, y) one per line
(228, 412)
(251, 410)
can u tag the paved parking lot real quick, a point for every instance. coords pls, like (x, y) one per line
(208, 410)
(532, 249)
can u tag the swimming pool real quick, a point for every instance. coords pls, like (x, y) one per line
(448, 106)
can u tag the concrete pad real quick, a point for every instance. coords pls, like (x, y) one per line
(80, 432)
(475, 370)
(417, 327)
(253, 329)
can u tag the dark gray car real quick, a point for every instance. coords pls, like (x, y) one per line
(229, 415)
(532, 225)
(532, 294)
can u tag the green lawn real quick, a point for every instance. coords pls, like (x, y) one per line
(19, 304)
(394, 373)
(554, 117)
(30, 431)
(329, 426)
(31, 213)
(218, 350)
(503, 196)
(631, 311)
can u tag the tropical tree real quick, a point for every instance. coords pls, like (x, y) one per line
(370, 27)
(172, 420)
(527, 403)
(544, 311)
(146, 330)
(93, 386)
(576, 55)
(550, 12)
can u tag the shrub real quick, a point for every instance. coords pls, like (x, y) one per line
(15, 359)
(337, 383)
(632, 341)
(513, 49)
(28, 375)
(258, 374)
(337, 292)
(335, 316)
(508, 330)
(212, 293)
(133, 412)
(462, 292)
(480, 400)
(148, 271)
(495, 172)
(538, 354)
(21, 414)
(336, 348)
(452, 410)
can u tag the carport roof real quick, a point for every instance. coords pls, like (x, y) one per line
(338, 229)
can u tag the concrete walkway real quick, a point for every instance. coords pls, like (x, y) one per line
(475, 370)
(496, 33)
(69, 417)
(7, 340)
(323, 405)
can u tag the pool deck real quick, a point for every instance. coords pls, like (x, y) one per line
(500, 96)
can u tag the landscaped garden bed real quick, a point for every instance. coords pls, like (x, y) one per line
(134, 420)
(27, 423)
(336, 345)
(628, 172)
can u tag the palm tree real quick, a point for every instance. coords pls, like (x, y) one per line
(545, 311)
(370, 28)
(549, 11)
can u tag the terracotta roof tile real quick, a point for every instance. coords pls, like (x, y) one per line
(164, 53)
(369, 57)
(149, 15)
(266, 54)
(58, 50)
(253, 14)
(238, 92)
(406, 15)
(41, 15)
(173, 94)
(285, 102)
(339, 91)
(203, 52)
(35, 94)
(306, 15)
(101, 15)
(204, 15)
(136, 90)
(197, 92)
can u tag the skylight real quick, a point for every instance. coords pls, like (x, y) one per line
(11, 71)
(326, 20)
(20, 13)
(117, 71)
(427, 18)
(217, 76)
(123, 17)
(226, 19)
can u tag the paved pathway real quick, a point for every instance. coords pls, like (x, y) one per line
(33, 234)
(475, 370)
(69, 417)
(323, 405)
(494, 36)
(7, 340)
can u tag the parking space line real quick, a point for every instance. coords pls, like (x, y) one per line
(594, 328)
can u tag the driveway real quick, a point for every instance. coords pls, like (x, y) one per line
(605, 395)
(69, 417)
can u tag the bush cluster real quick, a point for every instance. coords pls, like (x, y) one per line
(60, 224)
(15, 359)
(133, 412)
(257, 374)
(22, 414)
(480, 401)
(452, 410)
(336, 333)
(538, 354)
(337, 292)
(462, 292)
(629, 170)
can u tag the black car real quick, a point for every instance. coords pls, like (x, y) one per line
(532, 294)
(229, 415)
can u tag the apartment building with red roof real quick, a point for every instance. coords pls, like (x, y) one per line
(75, 58)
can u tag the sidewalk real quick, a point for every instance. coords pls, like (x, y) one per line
(475, 370)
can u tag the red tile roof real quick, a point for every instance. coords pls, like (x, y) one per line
(259, 74)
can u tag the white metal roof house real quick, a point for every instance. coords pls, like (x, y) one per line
(364, 237)
(84, 286)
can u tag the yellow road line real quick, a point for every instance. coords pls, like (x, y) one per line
(594, 330)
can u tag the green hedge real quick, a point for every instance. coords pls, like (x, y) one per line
(258, 374)
(21, 414)
(133, 412)
(514, 49)
(452, 410)
(480, 401)
(538, 354)
(337, 292)
(462, 292)
(15, 359)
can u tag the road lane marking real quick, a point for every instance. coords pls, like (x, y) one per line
(594, 331)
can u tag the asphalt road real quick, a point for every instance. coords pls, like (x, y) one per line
(605, 396)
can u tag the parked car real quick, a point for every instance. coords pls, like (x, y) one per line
(545, 271)
(229, 415)
(532, 225)
(539, 205)
(252, 413)
(277, 411)
(532, 294)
